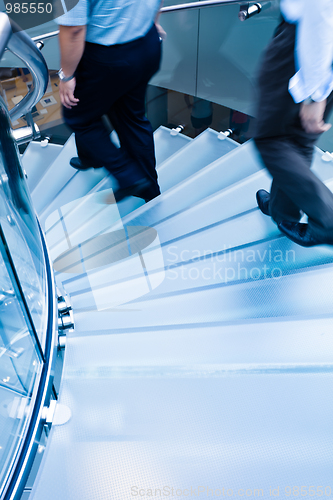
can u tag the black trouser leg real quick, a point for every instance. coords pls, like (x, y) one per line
(115, 78)
(286, 149)
(128, 116)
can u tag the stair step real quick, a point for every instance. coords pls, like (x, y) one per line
(37, 160)
(179, 413)
(286, 297)
(258, 344)
(92, 180)
(80, 180)
(244, 248)
(214, 177)
(203, 150)
(167, 145)
(58, 175)
(188, 239)
(222, 173)
(179, 164)
(187, 267)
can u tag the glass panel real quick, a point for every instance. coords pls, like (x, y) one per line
(229, 52)
(15, 81)
(19, 225)
(178, 71)
(20, 367)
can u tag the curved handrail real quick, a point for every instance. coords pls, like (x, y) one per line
(200, 5)
(21, 45)
(47, 36)
(171, 8)
(5, 32)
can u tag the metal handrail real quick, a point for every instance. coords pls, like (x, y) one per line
(21, 45)
(40, 38)
(5, 32)
(200, 5)
(171, 8)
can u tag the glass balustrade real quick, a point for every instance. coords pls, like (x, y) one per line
(20, 369)
(26, 328)
(20, 229)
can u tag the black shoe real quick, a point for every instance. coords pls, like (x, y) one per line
(137, 189)
(75, 162)
(147, 199)
(263, 198)
(299, 233)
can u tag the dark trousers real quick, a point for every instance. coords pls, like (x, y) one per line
(285, 147)
(112, 80)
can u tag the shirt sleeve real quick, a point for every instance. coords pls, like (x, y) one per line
(77, 16)
(313, 52)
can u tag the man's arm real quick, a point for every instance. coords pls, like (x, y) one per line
(72, 42)
(312, 117)
(159, 28)
(314, 57)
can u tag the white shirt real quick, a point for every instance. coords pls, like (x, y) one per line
(111, 22)
(313, 49)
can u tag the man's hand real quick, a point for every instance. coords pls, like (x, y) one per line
(312, 117)
(66, 92)
(161, 33)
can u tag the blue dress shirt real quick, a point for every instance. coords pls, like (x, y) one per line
(314, 47)
(110, 22)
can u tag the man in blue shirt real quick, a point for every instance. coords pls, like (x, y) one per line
(109, 51)
(295, 88)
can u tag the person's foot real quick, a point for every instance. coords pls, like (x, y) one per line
(75, 162)
(299, 233)
(137, 189)
(263, 198)
(149, 198)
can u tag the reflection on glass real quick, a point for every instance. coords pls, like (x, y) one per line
(195, 114)
(20, 365)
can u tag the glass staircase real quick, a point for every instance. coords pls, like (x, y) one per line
(201, 358)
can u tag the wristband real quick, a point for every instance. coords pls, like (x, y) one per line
(64, 78)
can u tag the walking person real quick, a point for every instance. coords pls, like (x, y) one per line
(295, 99)
(109, 50)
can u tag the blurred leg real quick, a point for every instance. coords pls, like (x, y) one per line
(128, 113)
(127, 116)
(286, 149)
(105, 75)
